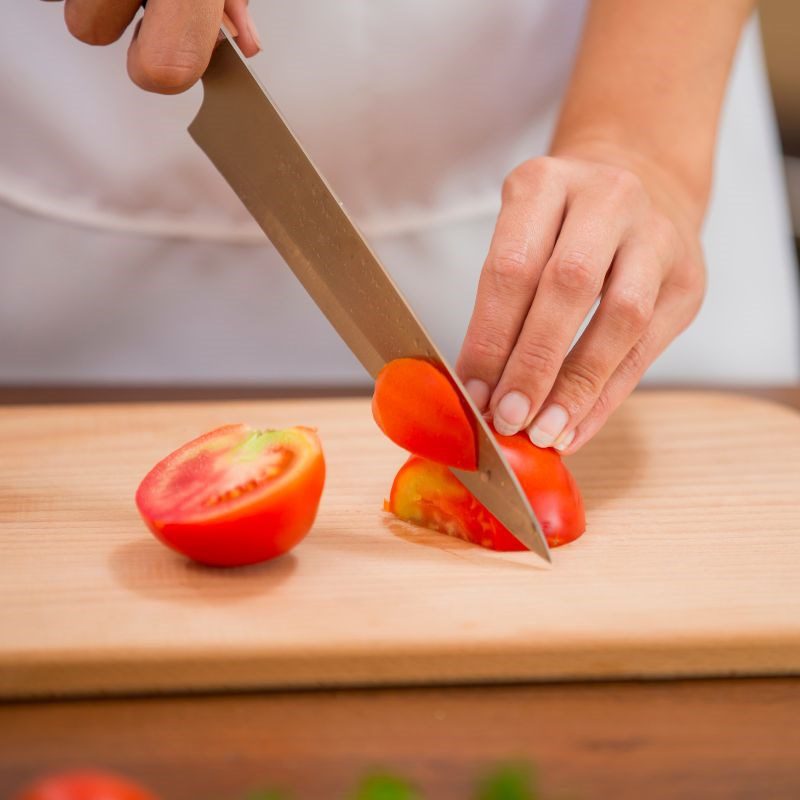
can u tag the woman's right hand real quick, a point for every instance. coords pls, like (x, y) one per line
(173, 41)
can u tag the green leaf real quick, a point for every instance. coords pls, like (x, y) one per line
(512, 782)
(267, 796)
(385, 787)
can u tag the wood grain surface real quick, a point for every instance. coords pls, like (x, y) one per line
(690, 566)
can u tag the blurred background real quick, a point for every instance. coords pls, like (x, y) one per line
(780, 29)
(129, 263)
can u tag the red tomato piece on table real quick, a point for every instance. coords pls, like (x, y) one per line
(236, 495)
(418, 408)
(428, 494)
(84, 785)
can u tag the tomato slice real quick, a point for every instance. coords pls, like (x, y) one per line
(84, 785)
(428, 494)
(418, 408)
(236, 495)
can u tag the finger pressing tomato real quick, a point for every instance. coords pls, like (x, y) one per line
(573, 230)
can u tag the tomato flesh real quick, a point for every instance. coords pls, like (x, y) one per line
(236, 495)
(428, 494)
(417, 407)
(84, 785)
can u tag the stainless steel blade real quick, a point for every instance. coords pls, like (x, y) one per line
(246, 138)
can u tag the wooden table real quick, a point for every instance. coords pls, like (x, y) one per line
(679, 739)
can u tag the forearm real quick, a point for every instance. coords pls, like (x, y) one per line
(648, 85)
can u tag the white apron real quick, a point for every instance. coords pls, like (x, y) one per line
(125, 257)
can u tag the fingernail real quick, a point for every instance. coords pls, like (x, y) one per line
(253, 29)
(564, 441)
(511, 413)
(547, 427)
(478, 391)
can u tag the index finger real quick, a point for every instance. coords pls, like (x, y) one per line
(571, 282)
(97, 22)
(526, 230)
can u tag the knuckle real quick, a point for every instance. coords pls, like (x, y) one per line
(634, 364)
(574, 271)
(538, 169)
(582, 382)
(631, 308)
(487, 347)
(535, 358)
(602, 406)
(664, 238)
(689, 277)
(528, 176)
(624, 184)
(170, 75)
(508, 267)
(515, 187)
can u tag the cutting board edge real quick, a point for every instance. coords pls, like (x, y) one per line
(36, 678)
(650, 392)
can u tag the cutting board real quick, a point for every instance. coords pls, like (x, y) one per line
(690, 564)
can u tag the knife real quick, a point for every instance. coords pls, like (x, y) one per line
(243, 133)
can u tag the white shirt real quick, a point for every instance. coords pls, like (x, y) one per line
(127, 258)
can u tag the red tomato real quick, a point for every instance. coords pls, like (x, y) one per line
(86, 785)
(428, 494)
(417, 407)
(235, 495)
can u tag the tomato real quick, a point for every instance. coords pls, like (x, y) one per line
(428, 494)
(85, 785)
(235, 495)
(418, 408)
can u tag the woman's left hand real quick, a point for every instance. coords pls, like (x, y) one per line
(573, 227)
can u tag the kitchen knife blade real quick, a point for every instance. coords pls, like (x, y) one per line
(246, 138)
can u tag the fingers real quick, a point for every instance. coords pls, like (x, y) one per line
(173, 44)
(618, 324)
(570, 283)
(675, 309)
(99, 22)
(242, 27)
(538, 287)
(534, 198)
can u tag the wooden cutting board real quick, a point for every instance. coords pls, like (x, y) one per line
(690, 565)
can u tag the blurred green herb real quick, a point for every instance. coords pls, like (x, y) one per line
(513, 782)
(385, 787)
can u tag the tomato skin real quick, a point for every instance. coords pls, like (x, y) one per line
(428, 494)
(84, 785)
(418, 408)
(257, 525)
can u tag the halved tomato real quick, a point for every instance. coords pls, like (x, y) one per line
(84, 785)
(418, 408)
(235, 495)
(428, 494)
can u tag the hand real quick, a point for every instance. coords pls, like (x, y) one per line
(580, 225)
(173, 42)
